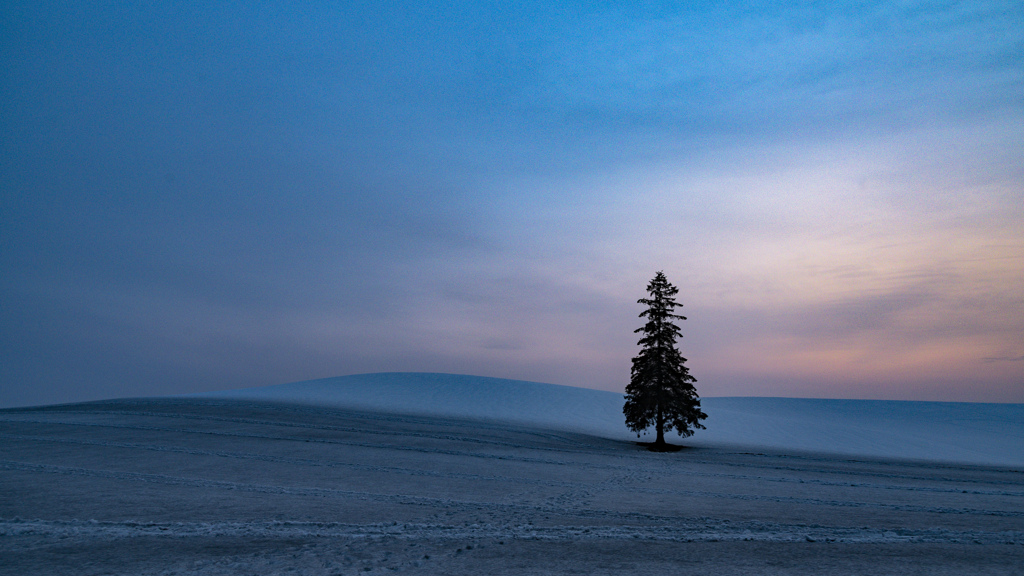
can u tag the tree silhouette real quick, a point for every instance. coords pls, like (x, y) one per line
(660, 391)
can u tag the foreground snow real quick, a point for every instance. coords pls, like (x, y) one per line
(221, 487)
(944, 431)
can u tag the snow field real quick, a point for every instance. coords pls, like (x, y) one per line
(217, 487)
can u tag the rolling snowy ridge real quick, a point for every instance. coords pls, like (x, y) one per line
(943, 431)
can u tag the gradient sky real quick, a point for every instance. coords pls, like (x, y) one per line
(202, 196)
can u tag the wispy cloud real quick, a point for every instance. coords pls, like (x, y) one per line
(1004, 359)
(782, 68)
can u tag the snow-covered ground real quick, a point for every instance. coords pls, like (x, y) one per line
(944, 431)
(376, 474)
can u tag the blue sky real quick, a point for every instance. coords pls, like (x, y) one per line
(201, 197)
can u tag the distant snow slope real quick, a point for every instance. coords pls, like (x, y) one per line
(949, 431)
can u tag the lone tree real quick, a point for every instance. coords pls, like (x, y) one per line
(660, 391)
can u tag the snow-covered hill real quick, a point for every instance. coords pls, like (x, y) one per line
(945, 431)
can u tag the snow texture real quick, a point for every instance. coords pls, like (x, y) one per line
(456, 475)
(228, 487)
(941, 431)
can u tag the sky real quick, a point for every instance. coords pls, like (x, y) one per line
(202, 196)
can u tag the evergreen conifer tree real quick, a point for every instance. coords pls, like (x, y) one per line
(660, 391)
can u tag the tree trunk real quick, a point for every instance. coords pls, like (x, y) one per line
(660, 425)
